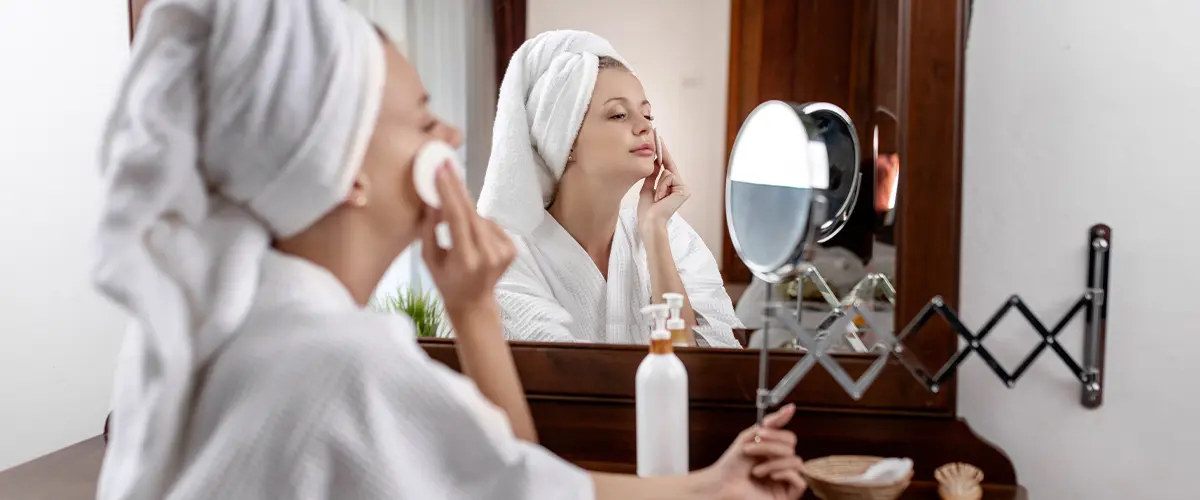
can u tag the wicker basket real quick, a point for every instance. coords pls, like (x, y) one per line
(824, 476)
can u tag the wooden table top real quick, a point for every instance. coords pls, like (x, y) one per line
(70, 474)
(67, 474)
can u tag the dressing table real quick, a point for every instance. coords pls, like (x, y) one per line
(582, 401)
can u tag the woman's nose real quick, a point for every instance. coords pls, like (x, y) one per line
(643, 127)
(449, 134)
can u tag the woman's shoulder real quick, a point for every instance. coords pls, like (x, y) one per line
(278, 352)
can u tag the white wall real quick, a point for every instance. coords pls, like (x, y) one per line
(58, 339)
(1077, 112)
(680, 51)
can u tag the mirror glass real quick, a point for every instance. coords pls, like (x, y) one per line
(779, 165)
(703, 66)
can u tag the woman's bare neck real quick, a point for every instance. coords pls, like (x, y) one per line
(591, 220)
(355, 258)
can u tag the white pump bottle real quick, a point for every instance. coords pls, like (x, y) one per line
(662, 404)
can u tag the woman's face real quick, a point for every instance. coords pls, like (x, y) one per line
(616, 140)
(405, 123)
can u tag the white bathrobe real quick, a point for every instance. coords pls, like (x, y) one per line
(247, 374)
(554, 292)
(316, 398)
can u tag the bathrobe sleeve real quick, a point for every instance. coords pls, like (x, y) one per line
(715, 316)
(528, 309)
(395, 424)
(349, 407)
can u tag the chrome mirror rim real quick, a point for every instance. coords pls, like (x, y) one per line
(841, 214)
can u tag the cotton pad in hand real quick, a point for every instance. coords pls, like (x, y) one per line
(431, 157)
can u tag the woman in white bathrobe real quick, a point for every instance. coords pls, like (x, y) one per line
(258, 171)
(574, 132)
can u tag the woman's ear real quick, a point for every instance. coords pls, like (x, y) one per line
(357, 197)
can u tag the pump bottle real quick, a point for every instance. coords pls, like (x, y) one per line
(662, 404)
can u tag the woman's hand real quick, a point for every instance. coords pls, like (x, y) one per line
(766, 468)
(657, 203)
(466, 274)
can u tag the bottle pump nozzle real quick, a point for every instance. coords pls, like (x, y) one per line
(659, 313)
(675, 305)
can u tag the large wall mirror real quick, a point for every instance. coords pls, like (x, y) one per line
(893, 67)
(703, 66)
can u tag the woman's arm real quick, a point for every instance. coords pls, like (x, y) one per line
(482, 350)
(664, 275)
(761, 463)
(662, 193)
(697, 485)
(466, 274)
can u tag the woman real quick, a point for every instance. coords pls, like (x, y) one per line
(573, 133)
(258, 165)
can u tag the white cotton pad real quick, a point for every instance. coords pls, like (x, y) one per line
(431, 156)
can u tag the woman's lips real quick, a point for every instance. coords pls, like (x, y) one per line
(644, 151)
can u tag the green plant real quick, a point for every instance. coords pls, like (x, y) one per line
(424, 308)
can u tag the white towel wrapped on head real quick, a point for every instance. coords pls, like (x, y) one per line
(543, 98)
(237, 121)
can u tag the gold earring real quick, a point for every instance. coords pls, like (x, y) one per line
(570, 157)
(360, 200)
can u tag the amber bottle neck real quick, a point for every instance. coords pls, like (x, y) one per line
(661, 346)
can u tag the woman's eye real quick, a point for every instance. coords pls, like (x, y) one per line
(617, 116)
(650, 117)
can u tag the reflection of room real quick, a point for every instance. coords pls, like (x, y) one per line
(851, 60)
(684, 65)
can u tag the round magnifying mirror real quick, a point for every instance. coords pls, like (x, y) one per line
(793, 179)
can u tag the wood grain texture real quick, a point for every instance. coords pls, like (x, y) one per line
(508, 21)
(582, 399)
(67, 474)
(930, 194)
